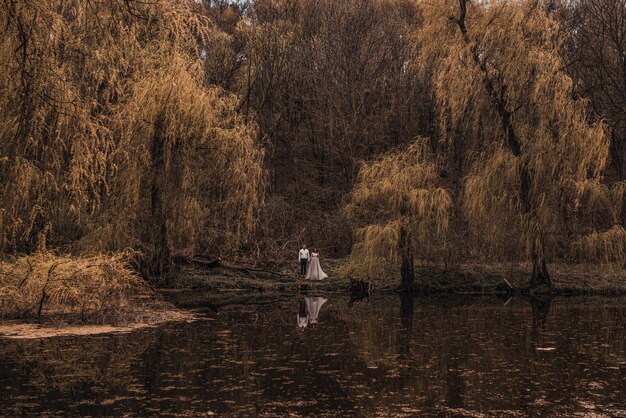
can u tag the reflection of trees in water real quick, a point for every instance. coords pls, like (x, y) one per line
(572, 348)
(540, 306)
(293, 370)
(531, 379)
(52, 368)
(476, 352)
(407, 307)
(378, 356)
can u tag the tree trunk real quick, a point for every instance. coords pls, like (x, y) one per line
(622, 217)
(160, 258)
(407, 273)
(540, 277)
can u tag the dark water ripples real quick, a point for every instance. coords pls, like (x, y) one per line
(386, 356)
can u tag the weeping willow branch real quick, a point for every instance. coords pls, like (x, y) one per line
(97, 288)
(402, 208)
(499, 84)
(106, 121)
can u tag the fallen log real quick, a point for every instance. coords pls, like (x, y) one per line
(200, 261)
(249, 270)
(218, 262)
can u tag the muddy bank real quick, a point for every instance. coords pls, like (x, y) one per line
(19, 329)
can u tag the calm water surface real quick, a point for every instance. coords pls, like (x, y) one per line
(379, 357)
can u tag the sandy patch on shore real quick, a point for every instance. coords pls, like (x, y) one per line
(29, 330)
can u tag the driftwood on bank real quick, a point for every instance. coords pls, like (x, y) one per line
(251, 270)
(200, 261)
(218, 262)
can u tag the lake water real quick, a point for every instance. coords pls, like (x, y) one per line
(442, 356)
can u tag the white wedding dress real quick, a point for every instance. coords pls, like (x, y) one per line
(313, 306)
(314, 272)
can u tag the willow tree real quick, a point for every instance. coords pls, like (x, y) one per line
(190, 171)
(50, 171)
(110, 135)
(403, 210)
(499, 80)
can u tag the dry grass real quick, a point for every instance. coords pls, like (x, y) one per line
(98, 289)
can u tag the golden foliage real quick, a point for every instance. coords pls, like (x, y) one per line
(89, 92)
(398, 191)
(99, 288)
(500, 84)
(604, 239)
(601, 205)
(605, 246)
(211, 177)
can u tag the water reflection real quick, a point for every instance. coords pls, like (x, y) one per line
(309, 310)
(303, 316)
(540, 306)
(407, 307)
(383, 357)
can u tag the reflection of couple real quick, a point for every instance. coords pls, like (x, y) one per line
(310, 267)
(309, 310)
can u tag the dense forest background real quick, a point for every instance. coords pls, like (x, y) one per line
(441, 131)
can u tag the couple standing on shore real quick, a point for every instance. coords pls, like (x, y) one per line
(310, 267)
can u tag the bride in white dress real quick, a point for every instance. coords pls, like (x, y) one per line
(309, 310)
(314, 272)
(313, 306)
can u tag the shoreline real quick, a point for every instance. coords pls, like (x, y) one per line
(18, 329)
(468, 279)
(211, 288)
